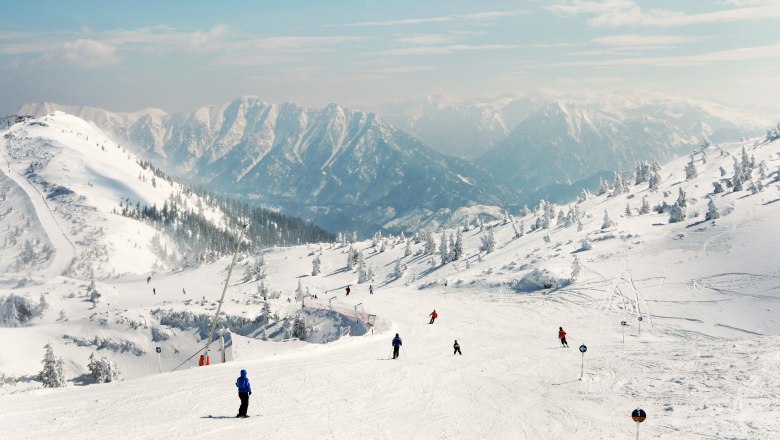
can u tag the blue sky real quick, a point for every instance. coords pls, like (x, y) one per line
(177, 55)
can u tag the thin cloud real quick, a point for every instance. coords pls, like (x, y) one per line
(634, 40)
(424, 40)
(85, 54)
(445, 50)
(478, 17)
(616, 13)
(741, 54)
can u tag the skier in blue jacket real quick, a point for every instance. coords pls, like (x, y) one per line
(396, 345)
(244, 391)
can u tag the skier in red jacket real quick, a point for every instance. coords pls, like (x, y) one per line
(562, 337)
(433, 316)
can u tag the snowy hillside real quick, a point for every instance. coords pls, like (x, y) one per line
(706, 286)
(341, 168)
(106, 212)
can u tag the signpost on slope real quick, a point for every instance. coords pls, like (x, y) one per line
(583, 349)
(639, 416)
(445, 287)
(640, 325)
(159, 360)
(623, 325)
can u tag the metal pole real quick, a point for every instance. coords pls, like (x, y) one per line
(624, 333)
(582, 367)
(222, 342)
(224, 289)
(159, 363)
(637, 431)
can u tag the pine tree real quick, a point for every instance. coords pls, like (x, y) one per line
(628, 210)
(676, 213)
(398, 271)
(603, 187)
(517, 232)
(430, 245)
(575, 269)
(53, 373)
(350, 258)
(458, 249)
(408, 249)
(315, 266)
(444, 253)
(488, 242)
(682, 198)
(299, 329)
(607, 223)
(363, 274)
(654, 181)
(645, 208)
(92, 293)
(102, 370)
(712, 210)
(690, 170)
(299, 291)
(718, 188)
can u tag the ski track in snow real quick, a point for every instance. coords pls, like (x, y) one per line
(64, 251)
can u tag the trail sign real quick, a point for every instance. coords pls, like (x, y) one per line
(623, 323)
(158, 350)
(640, 318)
(583, 348)
(638, 415)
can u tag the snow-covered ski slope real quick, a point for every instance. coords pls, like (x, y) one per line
(703, 365)
(75, 177)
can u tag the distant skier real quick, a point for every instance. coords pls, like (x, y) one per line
(348, 290)
(244, 391)
(562, 337)
(148, 279)
(433, 316)
(154, 291)
(456, 346)
(184, 292)
(397, 343)
(370, 289)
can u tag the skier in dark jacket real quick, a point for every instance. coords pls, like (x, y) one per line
(244, 391)
(433, 316)
(347, 289)
(396, 345)
(456, 346)
(562, 337)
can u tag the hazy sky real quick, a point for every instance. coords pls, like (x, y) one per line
(177, 55)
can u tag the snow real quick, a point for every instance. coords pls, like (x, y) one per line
(702, 365)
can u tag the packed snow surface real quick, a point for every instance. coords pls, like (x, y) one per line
(702, 363)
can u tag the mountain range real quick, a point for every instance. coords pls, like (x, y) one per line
(427, 162)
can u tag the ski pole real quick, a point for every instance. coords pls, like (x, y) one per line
(402, 348)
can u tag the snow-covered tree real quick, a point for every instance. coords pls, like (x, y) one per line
(645, 208)
(299, 329)
(350, 258)
(712, 210)
(488, 242)
(299, 292)
(654, 181)
(603, 187)
(617, 184)
(517, 231)
(362, 271)
(399, 269)
(525, 211)
(408, 248)
(92, 292)
(628, 210)
(607, 223)
(762, 170)
(723, 171)
(682, 199)
(102, 370)
(575, 269)
(676, 213)
(585, 245)
(315, 266)
(690, 170)
(457, 251)
(444, 251)
(718, 188)
(53, 373)
(430, 244)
